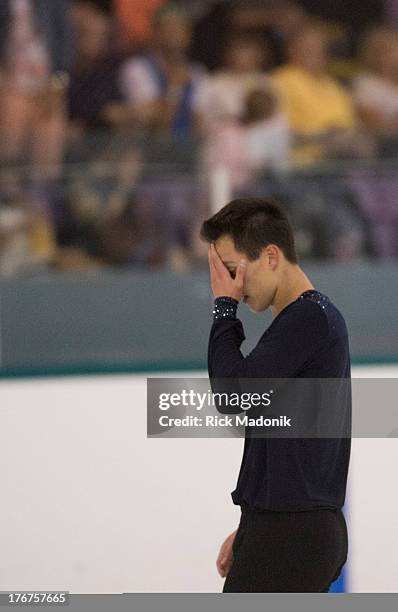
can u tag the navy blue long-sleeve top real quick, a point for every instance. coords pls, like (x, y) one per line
(309, 339)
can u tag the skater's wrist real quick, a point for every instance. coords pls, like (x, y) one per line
(225, 307)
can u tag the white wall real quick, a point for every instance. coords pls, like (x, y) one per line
(89, 504)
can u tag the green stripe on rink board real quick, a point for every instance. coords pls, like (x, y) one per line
(96, 369)
(147, 368)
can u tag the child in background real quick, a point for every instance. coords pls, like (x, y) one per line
(256, 142)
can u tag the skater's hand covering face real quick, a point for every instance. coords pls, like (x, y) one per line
(256, 281)
(226, 282)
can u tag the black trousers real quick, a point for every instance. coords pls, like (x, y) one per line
(287, 552)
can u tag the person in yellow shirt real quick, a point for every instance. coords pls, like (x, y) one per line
(320, 110)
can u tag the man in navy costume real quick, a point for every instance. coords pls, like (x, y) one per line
(292, 535)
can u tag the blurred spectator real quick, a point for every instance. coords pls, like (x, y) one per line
(94, 75)
(94, 211)
(121, 239)
(354, 15)
(275, 20)
(136, 20)
(223, 94)
(35, 49)
(272, 20)
(115, 237)
(51, 30)
(376, 87)
(160, 87)
(27, 243)
(320, 111)
(256, 143)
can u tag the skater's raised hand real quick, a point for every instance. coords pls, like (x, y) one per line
(222, 283)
